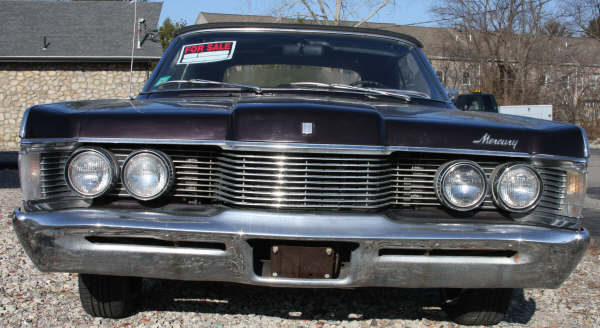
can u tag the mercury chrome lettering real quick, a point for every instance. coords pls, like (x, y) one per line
(486, 139)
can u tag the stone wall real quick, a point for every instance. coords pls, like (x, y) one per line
(26, 84)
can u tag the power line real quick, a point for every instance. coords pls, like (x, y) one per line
(431, 21)
(458, 17)
(452, 18)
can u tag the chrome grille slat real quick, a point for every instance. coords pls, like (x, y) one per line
(65, 189)
(549, 171)
(554, 184)
(554, 196)
(280, 177)
(52, 167)
(52, 171)
(551, 201)
(307, 200)
(53, 185)
(58, 178)
(228, 168)
(291, 157)
(52, 162)
(553, 179)
(287, 194)
(323, 206)
(320, 182)
(387, 185)
(304, 163)
(552, 189)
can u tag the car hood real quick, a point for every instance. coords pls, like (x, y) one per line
(332, 121)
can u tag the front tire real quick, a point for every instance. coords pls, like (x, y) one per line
(476, 306)
(108, 296)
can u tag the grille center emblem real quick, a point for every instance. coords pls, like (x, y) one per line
(307, 128)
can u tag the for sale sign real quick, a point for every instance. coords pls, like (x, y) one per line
(207, 52)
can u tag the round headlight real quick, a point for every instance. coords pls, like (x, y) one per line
(91, 172)
(461, 185)
(147, 174)
(517, 187)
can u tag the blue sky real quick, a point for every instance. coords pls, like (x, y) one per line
(399, 12)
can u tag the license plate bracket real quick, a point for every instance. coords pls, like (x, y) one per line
(308, 262)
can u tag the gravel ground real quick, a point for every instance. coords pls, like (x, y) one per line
(31, 298)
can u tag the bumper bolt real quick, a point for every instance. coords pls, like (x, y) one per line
(327, 276)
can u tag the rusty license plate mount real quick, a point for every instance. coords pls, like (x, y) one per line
(307, 262)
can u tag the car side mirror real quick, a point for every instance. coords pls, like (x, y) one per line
(452, 93)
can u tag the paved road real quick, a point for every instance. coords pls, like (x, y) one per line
(8, 159)
(592, 203)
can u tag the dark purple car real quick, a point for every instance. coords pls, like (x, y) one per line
(300, 156)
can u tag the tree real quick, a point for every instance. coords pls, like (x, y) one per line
(505, 38)
(329, 12)
(584, 16)
(555, 28)
(166, 31)
(593, 28)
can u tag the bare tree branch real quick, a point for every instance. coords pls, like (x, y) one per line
(375, 11)
(312, 13)
(323, 12)
(330, 11)
(584, 16)
(338, 10)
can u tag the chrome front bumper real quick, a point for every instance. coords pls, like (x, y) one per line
(63, 241)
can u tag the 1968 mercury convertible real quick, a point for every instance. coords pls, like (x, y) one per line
(300, 156)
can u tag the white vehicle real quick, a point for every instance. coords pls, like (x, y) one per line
(535, 111)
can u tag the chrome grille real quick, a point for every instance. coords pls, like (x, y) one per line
(298, 180)
(52, 175)
(555, 184)
(324, 181)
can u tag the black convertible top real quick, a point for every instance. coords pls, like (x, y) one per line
(301, 26)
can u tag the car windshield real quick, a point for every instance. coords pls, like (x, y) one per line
(296, 60)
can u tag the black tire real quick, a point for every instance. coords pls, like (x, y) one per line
(476, 306)
(108, 296)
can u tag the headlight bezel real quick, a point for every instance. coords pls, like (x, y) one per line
(443, 172)
(500, 172)
(165, 159)
(113, 166)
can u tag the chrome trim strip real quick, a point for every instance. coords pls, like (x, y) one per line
(304, 31)
(24, 123)
(586, 142)
(307, 148)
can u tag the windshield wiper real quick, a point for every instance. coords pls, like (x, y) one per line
(406, 95)
(254, 88)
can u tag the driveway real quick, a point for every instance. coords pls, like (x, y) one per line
(592, 202)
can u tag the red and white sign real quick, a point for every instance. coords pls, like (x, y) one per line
(206, 52)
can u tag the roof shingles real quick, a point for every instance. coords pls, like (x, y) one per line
(86, 30)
